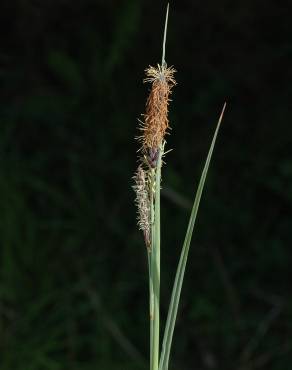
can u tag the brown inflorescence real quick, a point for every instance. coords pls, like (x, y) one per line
(156, 121)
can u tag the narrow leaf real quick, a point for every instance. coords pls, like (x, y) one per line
(175, 296)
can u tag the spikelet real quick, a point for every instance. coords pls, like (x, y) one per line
(143, 203)
(156, 121)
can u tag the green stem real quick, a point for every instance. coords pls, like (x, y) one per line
(155, 267)
(150, 253)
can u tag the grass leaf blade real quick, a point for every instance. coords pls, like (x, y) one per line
(173, 307)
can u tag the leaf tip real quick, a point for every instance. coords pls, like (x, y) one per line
(222, 113)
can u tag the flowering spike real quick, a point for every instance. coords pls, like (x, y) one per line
(143, 203)
(155, 125)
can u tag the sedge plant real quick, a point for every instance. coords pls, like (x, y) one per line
(153, 128)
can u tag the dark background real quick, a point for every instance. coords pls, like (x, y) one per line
(73, 272)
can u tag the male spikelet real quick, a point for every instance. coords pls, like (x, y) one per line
(143, 203)
(156, 121)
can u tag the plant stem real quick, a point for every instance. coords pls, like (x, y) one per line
(155, 268)
(150, 253)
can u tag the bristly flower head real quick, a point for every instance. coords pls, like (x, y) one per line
(143, 203)
(156, 121)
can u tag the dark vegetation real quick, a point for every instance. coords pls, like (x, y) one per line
(73, 274)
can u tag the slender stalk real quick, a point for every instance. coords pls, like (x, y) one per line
(155, 266)
(155, 232)
(150, 300)
(151, 292)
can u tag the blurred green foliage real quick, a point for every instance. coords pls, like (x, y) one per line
(73, 275)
